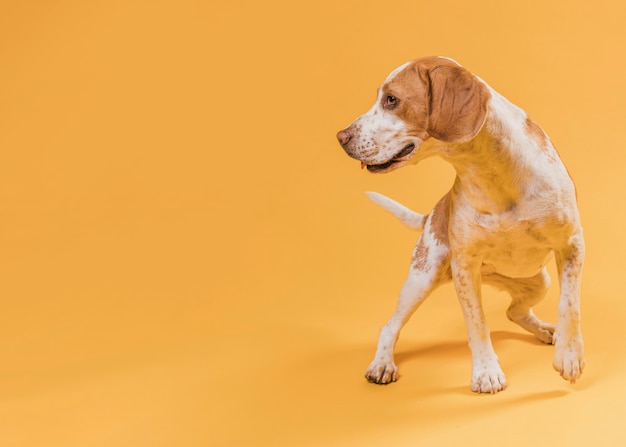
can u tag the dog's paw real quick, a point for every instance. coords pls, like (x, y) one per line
(381, 372)
(542, 330)
(569, 359)
(545, 332)
(488, 379)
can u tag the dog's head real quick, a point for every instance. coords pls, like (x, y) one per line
(429, 98)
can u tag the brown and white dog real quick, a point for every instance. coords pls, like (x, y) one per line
(511, 208)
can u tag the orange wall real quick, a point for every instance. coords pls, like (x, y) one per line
(187, 256)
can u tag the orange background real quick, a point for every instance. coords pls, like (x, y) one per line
(187, 256)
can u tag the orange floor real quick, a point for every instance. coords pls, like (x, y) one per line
(187, 257)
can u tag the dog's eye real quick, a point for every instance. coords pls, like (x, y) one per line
(391, 102)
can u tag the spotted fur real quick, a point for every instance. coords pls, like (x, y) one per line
(511, 209)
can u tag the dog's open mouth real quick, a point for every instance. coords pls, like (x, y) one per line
(398, 158)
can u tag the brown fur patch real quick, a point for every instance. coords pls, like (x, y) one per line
(537, 133)
(437, 97)
(440, 218)
(542, 139)
(412, 93)
(458, 104)
(420, 256)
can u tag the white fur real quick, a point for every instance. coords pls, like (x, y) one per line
(413, 220)
(395, 72)
(511, 208)
(379, 132)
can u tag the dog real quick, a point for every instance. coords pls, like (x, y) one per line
(511, 209)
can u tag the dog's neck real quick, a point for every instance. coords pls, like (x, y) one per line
(492, 172)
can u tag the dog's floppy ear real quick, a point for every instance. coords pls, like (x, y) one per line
(457, 104)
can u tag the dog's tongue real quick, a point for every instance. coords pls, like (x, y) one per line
(363, 165)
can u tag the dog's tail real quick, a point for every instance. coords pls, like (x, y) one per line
(413, 220)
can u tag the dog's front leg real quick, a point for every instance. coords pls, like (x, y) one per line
(487, 376)
(427, 272)
(568, 356)
(416, 288)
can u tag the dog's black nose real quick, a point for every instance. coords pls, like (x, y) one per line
(344, 137)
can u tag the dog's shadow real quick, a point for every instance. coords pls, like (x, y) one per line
(457, 352)
(460, 347)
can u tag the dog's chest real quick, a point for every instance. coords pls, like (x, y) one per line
(521, 251)
(511, 246)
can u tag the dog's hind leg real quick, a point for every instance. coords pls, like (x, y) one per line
(525, 293)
